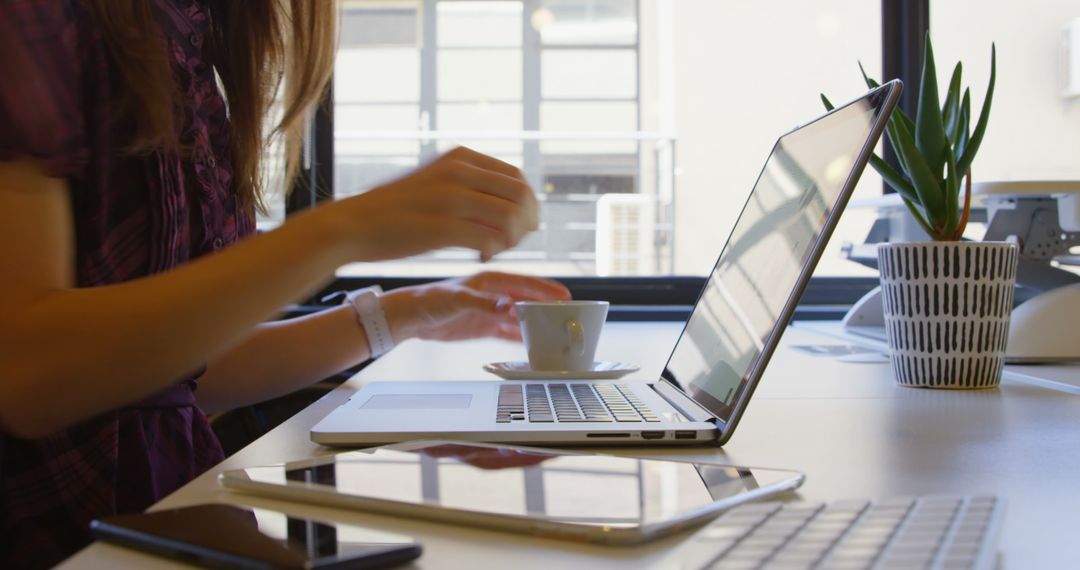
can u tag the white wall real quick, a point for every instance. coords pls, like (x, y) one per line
(1033, 132)
(744, 73)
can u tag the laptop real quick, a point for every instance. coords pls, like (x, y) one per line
(737, 320)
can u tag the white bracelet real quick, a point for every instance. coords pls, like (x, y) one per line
(370, 315)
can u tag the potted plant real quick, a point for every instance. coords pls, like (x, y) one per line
(947, 301)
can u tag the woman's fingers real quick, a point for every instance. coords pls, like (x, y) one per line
(490, 175)
(519, 286)
(485, 196)
(466, 299)
(452, 310)
(496, 213)
(513, 190)
(484, 161)
(463, 199)
(509, 331)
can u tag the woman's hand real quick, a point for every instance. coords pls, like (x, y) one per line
(471, 307)
(462, 199)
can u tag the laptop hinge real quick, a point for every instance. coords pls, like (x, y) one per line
(685, 404)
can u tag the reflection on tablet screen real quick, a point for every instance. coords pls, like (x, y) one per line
(584, 489)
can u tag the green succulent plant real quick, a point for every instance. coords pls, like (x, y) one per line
(935, 150)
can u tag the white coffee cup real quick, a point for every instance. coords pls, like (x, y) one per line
(561, 335)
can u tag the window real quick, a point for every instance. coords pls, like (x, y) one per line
(642, 124)
(550, 86)
(273, 173)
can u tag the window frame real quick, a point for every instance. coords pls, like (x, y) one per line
(905, 24)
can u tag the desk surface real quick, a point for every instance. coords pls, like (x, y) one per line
(846, 425)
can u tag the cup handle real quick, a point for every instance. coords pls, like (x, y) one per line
(577, 337)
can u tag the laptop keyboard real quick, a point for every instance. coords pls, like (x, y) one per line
(570, 403)
(938, 532)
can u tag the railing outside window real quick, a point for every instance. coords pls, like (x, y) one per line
(607, 198)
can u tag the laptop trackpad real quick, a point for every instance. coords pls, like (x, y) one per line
(418, 402)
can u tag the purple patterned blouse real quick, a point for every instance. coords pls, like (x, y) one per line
(134, 216)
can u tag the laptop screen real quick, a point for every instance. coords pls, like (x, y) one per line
(771, 252)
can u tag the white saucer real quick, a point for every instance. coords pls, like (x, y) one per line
(519, 370)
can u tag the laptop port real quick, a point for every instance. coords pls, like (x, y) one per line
(652, 435)
(685, 434)
(607, 435)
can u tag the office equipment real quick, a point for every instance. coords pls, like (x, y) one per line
(931, 532)
(1043, 328)
(1044, 217)
(716, 364)
(558, 494)
(225, 536)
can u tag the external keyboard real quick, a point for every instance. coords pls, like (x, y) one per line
(930, 532)
(570, 403)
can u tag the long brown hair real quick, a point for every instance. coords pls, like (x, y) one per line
(262, 49)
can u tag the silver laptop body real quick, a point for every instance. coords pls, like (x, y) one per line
(722, 352)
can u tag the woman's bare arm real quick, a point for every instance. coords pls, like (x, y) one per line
(287, 355)
(100, 348)
(281, 357)
(68, 353)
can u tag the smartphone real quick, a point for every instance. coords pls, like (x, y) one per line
(226, 536)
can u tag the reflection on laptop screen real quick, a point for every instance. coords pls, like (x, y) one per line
(759, 270)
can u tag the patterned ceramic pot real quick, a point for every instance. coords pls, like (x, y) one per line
(947, 308)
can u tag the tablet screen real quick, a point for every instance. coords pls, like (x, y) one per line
(592, 489)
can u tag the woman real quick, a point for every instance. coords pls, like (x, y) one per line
(133, 294)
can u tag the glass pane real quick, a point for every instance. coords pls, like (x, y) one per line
(377, 75)
(504, 149)
(475, 24)
(605, 213)
(273, 176)
(392, 25)
(273, 168)
(603, 126)
(480, 75)
(378, 130)
(475, 117)
(589, 74)
(719, 82)
(358, 174)
(497, 124)
(350, 118)
(586, 22)
(376, 95)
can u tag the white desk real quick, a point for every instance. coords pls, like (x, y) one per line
(847, 426)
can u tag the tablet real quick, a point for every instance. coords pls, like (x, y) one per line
(583, 496)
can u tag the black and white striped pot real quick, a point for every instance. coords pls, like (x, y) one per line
(947, 308)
